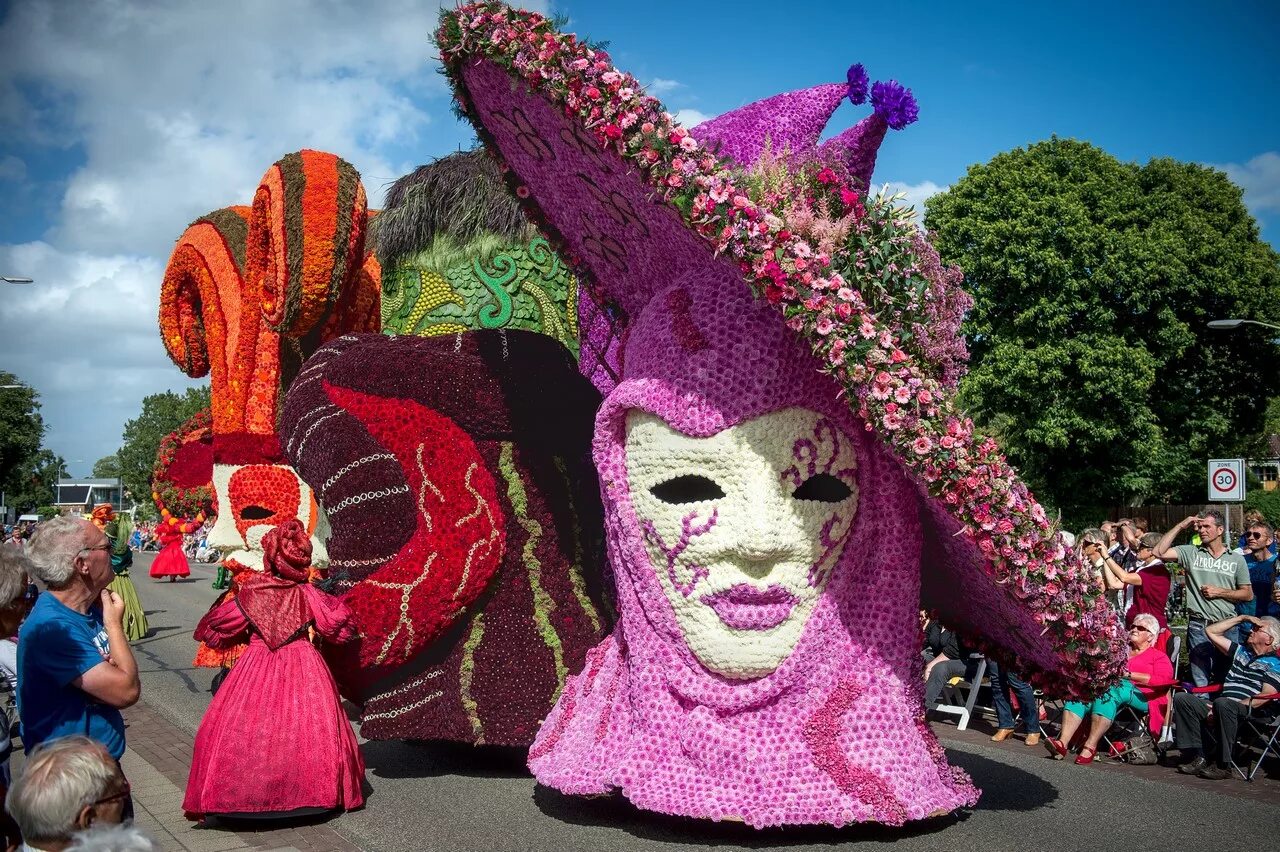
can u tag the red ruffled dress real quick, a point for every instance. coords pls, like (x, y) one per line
(171, 561)
(275, 739)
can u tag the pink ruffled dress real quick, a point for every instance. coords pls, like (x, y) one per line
(275, 738)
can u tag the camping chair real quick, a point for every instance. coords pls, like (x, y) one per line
(1262, 729)
(1174, 647)
(971, 686)
(1131, 729)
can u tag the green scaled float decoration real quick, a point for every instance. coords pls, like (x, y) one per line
(457, 255)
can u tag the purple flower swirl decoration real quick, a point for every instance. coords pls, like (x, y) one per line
(895, 104)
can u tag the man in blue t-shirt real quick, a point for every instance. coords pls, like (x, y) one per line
(76, 671)
(1260, 557)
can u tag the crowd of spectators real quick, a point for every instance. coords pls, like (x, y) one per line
(73, 671)
(1225, 593)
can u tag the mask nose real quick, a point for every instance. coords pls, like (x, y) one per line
(769, 533)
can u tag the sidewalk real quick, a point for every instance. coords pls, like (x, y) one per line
(157, 762)
(1263, 788)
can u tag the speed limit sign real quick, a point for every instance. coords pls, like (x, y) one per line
(1226, 480)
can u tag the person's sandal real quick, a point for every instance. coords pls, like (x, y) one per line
(1056, 749)
(1081, 760)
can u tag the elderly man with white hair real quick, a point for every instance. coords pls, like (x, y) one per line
(76, 671)
(1254, 672)
(67, 785)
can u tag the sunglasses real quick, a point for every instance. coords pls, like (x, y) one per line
(128, 788)
(1255, 535)
(1139, 630)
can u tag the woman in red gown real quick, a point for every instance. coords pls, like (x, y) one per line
(275, 741)
(171, 561)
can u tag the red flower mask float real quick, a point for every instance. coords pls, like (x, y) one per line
(248, 294)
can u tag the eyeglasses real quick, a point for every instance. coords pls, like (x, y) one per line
(128, 788)
(106, 545)
(1255, 535)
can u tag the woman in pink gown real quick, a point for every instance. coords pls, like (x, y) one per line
(171, 561)
(275, 740)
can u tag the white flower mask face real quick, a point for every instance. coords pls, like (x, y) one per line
(743, 528)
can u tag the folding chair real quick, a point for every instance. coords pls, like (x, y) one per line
(1174, 648)
(1262, 728)
(965, 710)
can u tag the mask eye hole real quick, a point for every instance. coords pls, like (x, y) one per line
(823, 488)
(255, 513)
(690, 488)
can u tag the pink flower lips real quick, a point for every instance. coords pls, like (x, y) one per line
(744, 607)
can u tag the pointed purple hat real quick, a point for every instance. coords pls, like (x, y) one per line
(793, 122)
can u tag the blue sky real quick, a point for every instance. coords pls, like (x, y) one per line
(122, 122)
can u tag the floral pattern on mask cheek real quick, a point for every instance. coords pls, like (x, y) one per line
(739, 552)
(689, 529)
(821, 454)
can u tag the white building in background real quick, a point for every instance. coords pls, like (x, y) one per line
(80, 495)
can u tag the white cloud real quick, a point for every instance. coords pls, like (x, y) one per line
(916, 193)
(660, 87)
(1260, 179)
(84, 335)
(690, 117)
(168, 111)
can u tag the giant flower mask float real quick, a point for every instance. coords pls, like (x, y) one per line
(786, 475)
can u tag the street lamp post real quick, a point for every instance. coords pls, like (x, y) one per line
(1229, 324)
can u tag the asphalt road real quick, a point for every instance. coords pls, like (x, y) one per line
(437, 797)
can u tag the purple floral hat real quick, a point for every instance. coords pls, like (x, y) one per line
(753, 199)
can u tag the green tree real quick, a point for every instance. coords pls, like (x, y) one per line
(107, 466)
(21, 429)
(1093, 280)
(1272, 424)
(32, 484)
(161, 414)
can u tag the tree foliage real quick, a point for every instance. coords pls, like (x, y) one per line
(33, 483)
(1266, 502)
(1093, 280)
(161, 414)
(107, 466)
(21, 430)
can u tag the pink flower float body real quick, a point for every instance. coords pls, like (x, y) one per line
(785, 476)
